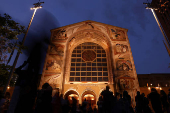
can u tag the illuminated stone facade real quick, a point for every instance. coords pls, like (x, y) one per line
(86, 56)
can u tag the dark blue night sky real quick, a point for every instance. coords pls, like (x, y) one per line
(146, 40)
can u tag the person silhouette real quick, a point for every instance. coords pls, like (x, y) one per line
(164, 101)
(145, 106)
(90, 110)
(56, 103)
(138, 100)
(169, 96)
(107, 99)
(44, 99)
(84, 106)
(100, 104)
(154, 97)
(74, 105)
(126, 102)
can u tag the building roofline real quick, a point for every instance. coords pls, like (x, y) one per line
(87, 21)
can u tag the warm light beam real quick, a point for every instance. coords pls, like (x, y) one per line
(165, 37)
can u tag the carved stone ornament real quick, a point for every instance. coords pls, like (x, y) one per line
(60, 34)
(88, 35)
(54, 63)
(120, 48)
(53, 79)
(57, 49)
(125, 84)
(124, 65)
(117, 34)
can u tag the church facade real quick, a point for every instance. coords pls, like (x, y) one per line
(87, 56)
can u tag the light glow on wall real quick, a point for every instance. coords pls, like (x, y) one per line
(157, 87)
(88, 95)
(73, 95)
(149, 88)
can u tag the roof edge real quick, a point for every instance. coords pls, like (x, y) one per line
(87, 21)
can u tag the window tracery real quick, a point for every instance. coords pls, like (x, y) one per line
(88, 63)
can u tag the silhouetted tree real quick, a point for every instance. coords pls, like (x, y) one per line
(9, 31)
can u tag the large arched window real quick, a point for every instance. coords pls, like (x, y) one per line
(88, 63)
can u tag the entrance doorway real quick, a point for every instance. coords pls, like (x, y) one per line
(71, 94)
(90, 97)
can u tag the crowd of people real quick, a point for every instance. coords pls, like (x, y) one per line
(107, 102)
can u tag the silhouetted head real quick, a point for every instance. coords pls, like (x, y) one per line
(143, 94)
(138, 93)
(107, 88)
(153, 90)
(162, 92)
(45, 86)
(57, 94)
(85, 99)
(120, 95)
(100, 98)
(61, 95)
(49, 88)
(125, 94)
(73, 98)
(117, 94)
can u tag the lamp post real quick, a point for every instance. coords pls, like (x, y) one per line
(149, 6)
(36, 6)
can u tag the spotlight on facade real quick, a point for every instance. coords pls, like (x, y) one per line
(8, 87)
(149, 88)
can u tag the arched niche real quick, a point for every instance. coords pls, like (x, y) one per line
(71, 93)
(90, 97)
